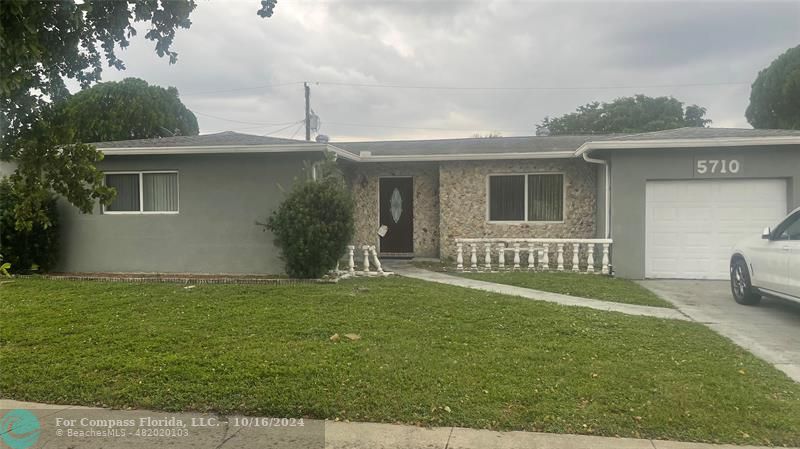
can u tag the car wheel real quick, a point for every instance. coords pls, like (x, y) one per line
(743, 291)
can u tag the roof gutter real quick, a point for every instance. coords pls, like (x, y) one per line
(363, 157)
(228, 149)
(366, 156)
(686, 143)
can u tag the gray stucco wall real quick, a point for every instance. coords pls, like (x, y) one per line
(631, 169)
(220, 196)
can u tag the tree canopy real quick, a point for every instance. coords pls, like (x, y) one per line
(128, 109)
(775, 95)
(42, 44)
(639, 113)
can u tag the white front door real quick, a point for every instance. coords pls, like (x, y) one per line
(692, 226)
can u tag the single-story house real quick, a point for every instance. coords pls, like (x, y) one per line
(673, 202)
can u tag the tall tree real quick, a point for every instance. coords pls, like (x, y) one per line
(775, 95)
(43, 43)
(128, 109)
(639, 113)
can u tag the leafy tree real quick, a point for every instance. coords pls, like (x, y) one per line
(129, 109)
(24, 249)
(43, 43)
(639, 113)
(775, 95)
(314, 224)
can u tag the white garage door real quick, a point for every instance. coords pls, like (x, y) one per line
(691, 226)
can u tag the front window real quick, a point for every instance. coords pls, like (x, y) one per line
(143, 192)
(526, 198)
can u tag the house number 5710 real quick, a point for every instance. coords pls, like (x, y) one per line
(717, 166)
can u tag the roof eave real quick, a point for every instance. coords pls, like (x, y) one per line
(223, 149)
(462, 157)
(686, 143)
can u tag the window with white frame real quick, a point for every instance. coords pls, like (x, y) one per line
(143, 192)
(526, 197)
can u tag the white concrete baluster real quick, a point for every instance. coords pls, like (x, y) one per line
(543, 254)
(351, 263)
(375, 259)
(473, 257)
(365, 248)
(576, 249)
(501, 256)
(531, 257)
(546, 257)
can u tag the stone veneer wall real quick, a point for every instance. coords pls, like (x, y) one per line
(426, 202)
(462, 201)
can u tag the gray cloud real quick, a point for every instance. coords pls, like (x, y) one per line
(459, 43)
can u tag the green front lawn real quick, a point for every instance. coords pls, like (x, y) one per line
(605, 288)
(428, 354)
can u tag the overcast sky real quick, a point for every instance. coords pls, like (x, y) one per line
(573, 53)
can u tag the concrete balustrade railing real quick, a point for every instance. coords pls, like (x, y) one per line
(369, 259)
(489, 254)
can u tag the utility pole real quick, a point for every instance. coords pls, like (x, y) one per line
(308, 111)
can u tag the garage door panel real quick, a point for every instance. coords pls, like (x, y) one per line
(692, 226)
(692, 214)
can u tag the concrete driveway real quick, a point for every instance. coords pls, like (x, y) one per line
(771, 330)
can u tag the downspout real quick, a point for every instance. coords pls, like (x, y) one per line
(607, 205)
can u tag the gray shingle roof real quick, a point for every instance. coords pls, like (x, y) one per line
(488, 145)
(226, 138)
(451, 147)
(705, 133)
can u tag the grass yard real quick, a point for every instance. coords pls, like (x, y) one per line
(575, 284)
(605, 288)
(428, 354)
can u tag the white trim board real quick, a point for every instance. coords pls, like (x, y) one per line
(366, 156)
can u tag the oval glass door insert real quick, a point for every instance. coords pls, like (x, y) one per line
(396, 205)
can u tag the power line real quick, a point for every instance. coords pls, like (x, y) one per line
(237, 89)
(296, 130)
(482, 88)
(285, 127)
(517, 88)
(240, 121)
(371, 125)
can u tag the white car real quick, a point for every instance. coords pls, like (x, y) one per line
(769, 265)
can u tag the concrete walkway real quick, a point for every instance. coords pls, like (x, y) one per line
(770, 330)
(211, 431)
(566, 300)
